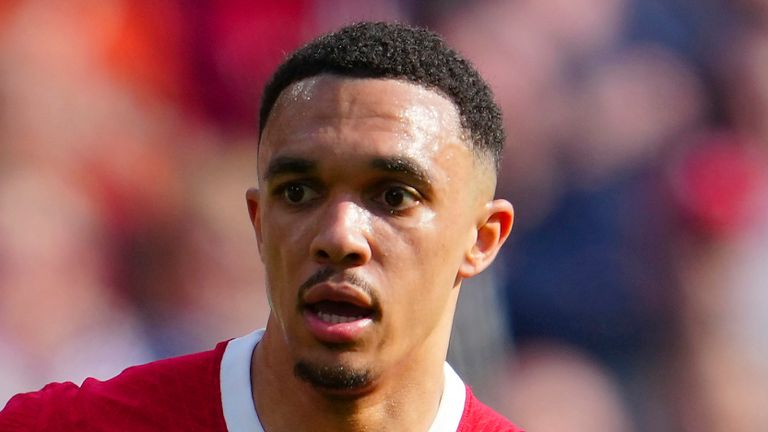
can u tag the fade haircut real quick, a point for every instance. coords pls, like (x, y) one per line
(397, 51)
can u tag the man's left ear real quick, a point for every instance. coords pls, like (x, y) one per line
(492, 231)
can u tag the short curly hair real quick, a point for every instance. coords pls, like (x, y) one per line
(398, 51)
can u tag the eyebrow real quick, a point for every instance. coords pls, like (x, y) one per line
(282, 165)
(402, 165)
(289, 165)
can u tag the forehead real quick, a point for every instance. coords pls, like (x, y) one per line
(327, 111)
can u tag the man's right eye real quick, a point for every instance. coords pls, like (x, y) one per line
(298, 193)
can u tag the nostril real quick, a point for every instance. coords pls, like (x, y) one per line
(353, 258)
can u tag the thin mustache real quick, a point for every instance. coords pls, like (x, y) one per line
(326, 273)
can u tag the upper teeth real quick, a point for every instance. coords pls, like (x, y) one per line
(335, 319)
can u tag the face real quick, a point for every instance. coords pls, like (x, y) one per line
(370, 211)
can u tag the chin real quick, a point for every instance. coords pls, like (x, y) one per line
(335, 380)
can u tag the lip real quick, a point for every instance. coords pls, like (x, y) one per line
(343, 332)
(340, 292)
(336, 333)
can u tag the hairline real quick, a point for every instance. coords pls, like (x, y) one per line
(480, 155)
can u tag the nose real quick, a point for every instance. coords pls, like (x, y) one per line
(341, 238)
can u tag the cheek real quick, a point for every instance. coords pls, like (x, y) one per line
(441, 237)
(444, 250)
(281, 251)
(424, 221)
(283, 236)
(428, 254)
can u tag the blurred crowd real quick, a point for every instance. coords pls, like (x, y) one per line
(633, 295)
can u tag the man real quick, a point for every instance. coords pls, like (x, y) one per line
(378, 154)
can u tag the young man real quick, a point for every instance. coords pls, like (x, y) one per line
(378, 156)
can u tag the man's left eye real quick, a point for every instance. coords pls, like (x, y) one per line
(398, 198)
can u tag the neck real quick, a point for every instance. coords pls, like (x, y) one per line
(404, 397)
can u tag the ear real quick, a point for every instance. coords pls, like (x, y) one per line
(492, 231)
(252, 199)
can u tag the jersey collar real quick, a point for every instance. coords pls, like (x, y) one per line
(237, 400)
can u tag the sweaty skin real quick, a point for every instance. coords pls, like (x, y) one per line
(369, 184)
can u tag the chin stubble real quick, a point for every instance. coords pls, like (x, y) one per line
(334, 377)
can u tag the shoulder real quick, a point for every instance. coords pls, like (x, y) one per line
(181, 393)
(478, 417)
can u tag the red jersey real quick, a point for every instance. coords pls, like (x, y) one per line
(208, 391)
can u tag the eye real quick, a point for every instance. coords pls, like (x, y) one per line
(398, 198)
(298, 193)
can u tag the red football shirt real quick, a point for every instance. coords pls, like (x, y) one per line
(208, 391)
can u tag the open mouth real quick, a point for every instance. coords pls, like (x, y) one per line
(339, 312)
(338, 321)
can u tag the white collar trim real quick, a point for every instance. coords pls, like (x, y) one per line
(451, 403)
(237, 399)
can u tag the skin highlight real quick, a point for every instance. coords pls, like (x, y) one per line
(370, 182)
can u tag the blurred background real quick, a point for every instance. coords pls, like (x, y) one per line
(633, 294)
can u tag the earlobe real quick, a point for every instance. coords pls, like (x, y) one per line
(492, 231)
(252, 200)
